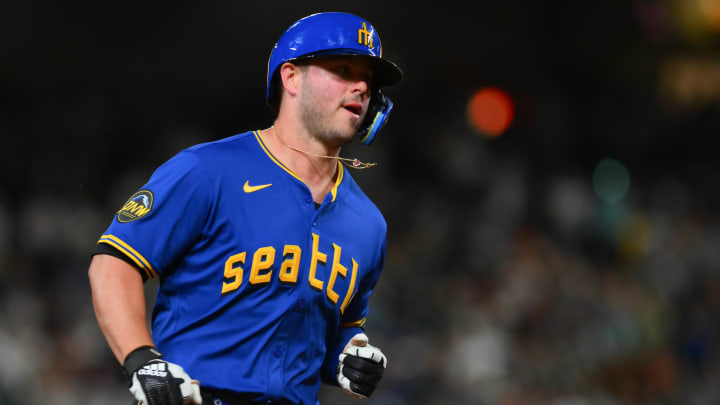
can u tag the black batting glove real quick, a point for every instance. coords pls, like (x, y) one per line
(154, 381)
(361, 367)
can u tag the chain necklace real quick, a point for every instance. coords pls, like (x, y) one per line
(353, 163)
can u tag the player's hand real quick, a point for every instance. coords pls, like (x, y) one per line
(361, 367)
(154, 381)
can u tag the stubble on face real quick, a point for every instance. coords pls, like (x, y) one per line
(316, 114)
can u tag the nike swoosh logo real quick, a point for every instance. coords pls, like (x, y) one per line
(251, 189)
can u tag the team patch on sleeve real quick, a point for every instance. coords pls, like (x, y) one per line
(138, 206)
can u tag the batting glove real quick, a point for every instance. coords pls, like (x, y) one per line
(154, 381)
(361, 367)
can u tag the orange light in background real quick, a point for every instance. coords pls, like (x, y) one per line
(491, 111)
(710, 11)
(696, 20)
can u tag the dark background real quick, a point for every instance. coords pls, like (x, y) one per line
(511, 277)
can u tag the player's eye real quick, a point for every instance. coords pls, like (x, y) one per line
(354, 73)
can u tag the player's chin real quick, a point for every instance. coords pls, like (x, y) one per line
(348, 131)
(345, 129)
(344, 138)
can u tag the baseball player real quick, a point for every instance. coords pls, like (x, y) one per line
(265, 248)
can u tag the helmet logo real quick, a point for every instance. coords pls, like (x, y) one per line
(365, 37)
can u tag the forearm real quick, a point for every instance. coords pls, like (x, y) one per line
(119, 302)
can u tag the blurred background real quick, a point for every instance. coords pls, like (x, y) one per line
(549, 177)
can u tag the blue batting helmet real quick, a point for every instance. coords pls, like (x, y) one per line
(335, 33)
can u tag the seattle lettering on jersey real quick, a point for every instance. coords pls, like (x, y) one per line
(261, 270)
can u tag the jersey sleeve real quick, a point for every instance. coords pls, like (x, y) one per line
(106, 249)
(159, 222)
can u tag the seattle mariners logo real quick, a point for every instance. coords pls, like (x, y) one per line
(365, 37)
(136, 207)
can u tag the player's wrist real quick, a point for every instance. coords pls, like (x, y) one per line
(137, 358)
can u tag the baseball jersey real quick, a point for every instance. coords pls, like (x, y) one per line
(259, 289)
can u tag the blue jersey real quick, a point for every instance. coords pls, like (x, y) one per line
(259, 290)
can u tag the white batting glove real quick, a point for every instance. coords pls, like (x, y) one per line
(154, 381)
(361, 367)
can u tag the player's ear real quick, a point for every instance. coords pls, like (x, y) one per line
(290, 77)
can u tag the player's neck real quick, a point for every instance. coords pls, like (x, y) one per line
(314, 163)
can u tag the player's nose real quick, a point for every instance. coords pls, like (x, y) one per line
(361, 87)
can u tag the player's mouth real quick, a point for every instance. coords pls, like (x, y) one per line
(354, 108)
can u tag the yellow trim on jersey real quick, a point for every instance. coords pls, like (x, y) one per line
(274, 159)
(341, 168)
(341, 171)
(118, 247)
(133, 254)
(356, 324)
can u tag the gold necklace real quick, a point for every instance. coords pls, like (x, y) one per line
(353, 163)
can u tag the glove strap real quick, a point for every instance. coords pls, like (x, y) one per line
(137, 358)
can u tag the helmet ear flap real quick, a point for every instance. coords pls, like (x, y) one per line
(377, 115)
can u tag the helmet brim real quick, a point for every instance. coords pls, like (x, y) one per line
(385, 72)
